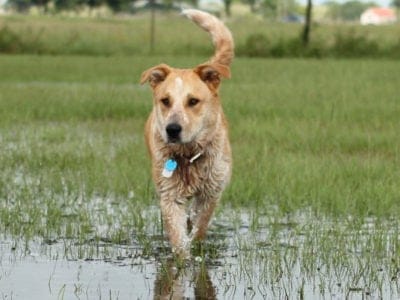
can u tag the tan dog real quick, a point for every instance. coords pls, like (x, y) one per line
(187, 137)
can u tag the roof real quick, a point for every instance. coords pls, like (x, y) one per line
(382, 11)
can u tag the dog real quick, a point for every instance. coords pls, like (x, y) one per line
(187, 138)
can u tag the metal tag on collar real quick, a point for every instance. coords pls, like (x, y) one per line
(169, 167)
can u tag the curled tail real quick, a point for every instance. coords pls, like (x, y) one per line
(221, 36)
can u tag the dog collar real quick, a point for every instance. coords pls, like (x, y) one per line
(171, 165)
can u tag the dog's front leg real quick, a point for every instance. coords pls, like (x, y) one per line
(200, 215)
(175, 222)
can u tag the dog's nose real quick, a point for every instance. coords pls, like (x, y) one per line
(173, 130)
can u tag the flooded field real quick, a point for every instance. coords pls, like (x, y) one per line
(246, 256)
(311, 212)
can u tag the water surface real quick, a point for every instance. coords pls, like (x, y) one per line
(246, 256)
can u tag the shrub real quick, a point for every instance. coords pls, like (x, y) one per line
(256, 45)
(352, 45)
(9, 41)
(394, 50)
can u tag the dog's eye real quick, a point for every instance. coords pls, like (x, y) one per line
(165, 101)
(193, 101)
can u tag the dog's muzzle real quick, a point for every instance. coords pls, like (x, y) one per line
(173, 132)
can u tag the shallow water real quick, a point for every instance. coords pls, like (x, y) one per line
(246, 256)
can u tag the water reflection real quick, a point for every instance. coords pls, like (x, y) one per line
(173, 282)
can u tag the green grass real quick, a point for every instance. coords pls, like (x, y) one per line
(321, 134)
(305, 133)
(316, 156)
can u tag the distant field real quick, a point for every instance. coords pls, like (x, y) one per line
(176, 36)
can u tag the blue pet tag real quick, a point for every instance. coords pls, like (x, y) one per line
(169, 167)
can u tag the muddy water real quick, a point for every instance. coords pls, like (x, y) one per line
(274, 260)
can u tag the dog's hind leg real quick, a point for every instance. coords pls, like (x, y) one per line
(175, 224)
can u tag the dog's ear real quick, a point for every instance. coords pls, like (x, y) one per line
(155, 75)
(211, 74)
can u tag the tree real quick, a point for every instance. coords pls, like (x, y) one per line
(287, 8)
(20, 5)
(352, 10)
(333, 12)
(307, 24)
(252, 4)
(119, 5)
(23, 5)
(95, 3)
(279, 9)
(396, 3)
(67, 4)
(227, 4)
(42, 3)
(348, 11)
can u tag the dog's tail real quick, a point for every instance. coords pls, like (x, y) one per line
(221, 36)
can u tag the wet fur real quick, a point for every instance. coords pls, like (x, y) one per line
(204, 133)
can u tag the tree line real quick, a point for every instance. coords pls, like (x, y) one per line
(271, 9)
(115, 5)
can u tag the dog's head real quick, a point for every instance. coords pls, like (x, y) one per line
(186, 103)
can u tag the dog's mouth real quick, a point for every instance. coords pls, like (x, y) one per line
(174, 140)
